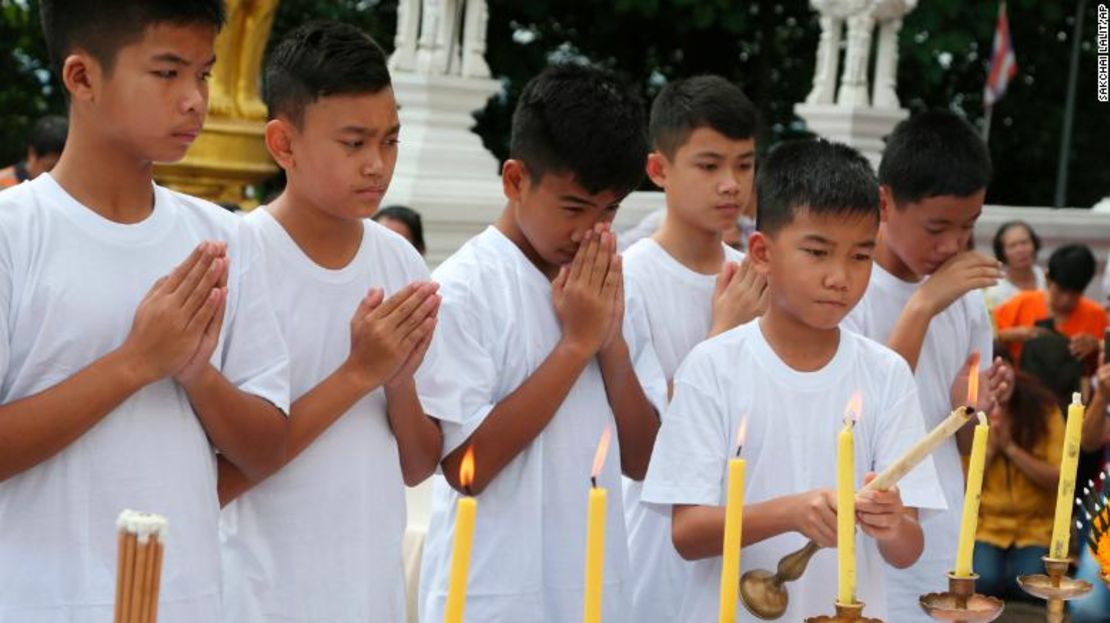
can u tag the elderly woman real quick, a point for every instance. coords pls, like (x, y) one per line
(1016, 246)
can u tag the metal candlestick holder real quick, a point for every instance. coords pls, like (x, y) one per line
(1055, 588)
(960, 603)
(845, 612)
(763, 593)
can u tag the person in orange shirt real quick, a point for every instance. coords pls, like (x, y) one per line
(1070, 270)
(44, 147)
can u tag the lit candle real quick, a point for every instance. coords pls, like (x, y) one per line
(846, 503)
(595, 536)
(1061, 527)
(465, 513)
(975, 466)
(734, 515)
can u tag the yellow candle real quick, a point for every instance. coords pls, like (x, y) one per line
(595, 537)
(846, 505)
(1061, 528)
(734, 515)
(975, 466)
(595, 554)
(465, 513)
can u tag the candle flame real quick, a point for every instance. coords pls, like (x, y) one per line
(602, 451)
(973, 381)
(466, 468)
(854, 409)
(741, 434)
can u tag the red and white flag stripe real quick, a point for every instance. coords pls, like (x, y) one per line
(1003, 63)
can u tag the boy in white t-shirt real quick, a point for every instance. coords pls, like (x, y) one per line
(925, 302)
(320, 540)
(692, 285)
(120, 366)
(791, 373)
(536, 357)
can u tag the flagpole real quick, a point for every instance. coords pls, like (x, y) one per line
(1069, 110)
(987, 124)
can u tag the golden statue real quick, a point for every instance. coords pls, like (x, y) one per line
(230, 153)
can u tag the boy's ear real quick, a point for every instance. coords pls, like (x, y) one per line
(759, 252)
(80, 75)
(886, 202)
(513, 177)
(279, 142)
(656, 168)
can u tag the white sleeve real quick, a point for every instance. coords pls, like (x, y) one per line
(457, 379)
(254, 357)
(901, 427)
(641, 350)
(688, 462)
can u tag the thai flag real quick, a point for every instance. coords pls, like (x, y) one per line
(1003, 63)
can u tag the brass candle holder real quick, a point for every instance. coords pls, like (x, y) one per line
(960, 603)
(763, 593)
(845, 612)
(1055, 588)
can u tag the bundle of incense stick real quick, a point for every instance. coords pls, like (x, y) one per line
(139, 566)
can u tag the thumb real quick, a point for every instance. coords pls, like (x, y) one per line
(561, 279)
(868, 477)
(724, 277)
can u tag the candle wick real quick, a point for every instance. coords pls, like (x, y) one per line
(738, 449)
(593, 481)
(469, 493)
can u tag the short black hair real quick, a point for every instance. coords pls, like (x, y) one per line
(815, 175)
(1071, 267)
(320, 59)
(999, 248)
(48, 135)
(584, 121)
(408, 216)
(102, 27)
(934, 154)
(699, 102)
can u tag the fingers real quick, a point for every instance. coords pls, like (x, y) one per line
(200, 320)
(578, 265)
(197, 273)
(405, 308)
(198, 292)
(172, 281)
(430, 307)
(724, 278)
(390, 304)
(599, 260)
(614, 278)
(368, 304)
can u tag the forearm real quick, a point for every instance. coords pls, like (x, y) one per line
(908, 334)
(247, 429)
(904, 547)
(1011, 335)
(419, 439)
(699, 531)
(637, 420)
(231, 482)
(1093, 435)
(1041, 473)
(35, 428)
(518, 419)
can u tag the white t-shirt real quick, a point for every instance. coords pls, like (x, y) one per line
(496, 326)
(320, 540)
(952, 336)
(679, 316)
(70, 282)
(793, 421)
(1005, 289)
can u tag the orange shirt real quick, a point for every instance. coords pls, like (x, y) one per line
(8, 178)
(1026, 308)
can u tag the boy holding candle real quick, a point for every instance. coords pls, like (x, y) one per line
(924, 301)
(817, 221)
(320, 539)
(703, 135)
(538, 358)
(121, 365)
